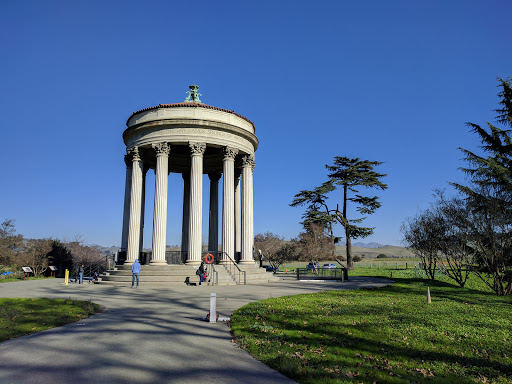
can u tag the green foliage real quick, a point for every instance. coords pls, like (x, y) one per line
(356, 258)
(386, 335)
(351, 175)
(20, 317)
(382, 256)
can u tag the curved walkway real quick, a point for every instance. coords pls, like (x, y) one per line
(145, 335)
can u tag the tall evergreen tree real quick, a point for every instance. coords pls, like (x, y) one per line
(489, 195)
(352, 175)
(317, 212)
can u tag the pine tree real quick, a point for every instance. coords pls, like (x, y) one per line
(352, 174)
(489, 195)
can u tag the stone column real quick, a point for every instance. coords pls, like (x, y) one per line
(142, 208)
(186, 212)
(135, 206)
(196, 203)
(213, 228)
(247, 210)
(228, 205)
(127, 194)
(160, 211)
(238, 216)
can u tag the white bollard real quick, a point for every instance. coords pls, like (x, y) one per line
(213, 306)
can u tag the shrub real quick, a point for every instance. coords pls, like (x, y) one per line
(382, 256)
(356, 258)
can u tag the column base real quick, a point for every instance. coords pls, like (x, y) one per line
(158, 262)
(247, 262)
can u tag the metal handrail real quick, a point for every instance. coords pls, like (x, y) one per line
(213, 275)
(221, 257)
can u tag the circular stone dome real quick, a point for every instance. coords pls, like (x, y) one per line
(180, 124)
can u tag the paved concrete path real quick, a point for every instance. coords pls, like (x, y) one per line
(145, 335)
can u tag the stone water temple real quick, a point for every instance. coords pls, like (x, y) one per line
(190, 138)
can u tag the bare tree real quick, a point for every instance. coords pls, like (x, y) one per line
(455, 244)
(270, 244)
(422, 235)
(84, 254)
(314, 244)
(9, 241)
(34, 254)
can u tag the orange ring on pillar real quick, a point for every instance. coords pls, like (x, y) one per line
(209, 258)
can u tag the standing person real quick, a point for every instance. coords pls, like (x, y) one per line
(200, 272)
(135, 272)
(81, 274)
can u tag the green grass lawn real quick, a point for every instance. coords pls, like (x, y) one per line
(386, 335)
(20, 317)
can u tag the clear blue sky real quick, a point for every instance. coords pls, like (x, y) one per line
(392, 81)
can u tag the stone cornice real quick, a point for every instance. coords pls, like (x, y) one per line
(191, 123)
(192, 105)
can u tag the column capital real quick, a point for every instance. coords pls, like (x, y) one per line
(248, 161)
(197, 149)
(134, 153)
(162, 149)
(230, 153)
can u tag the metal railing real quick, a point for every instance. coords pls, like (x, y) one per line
(213, 275)
(227, 262)
(322, 274)
(176, 257)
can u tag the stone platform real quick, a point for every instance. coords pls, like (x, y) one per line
(177, 274)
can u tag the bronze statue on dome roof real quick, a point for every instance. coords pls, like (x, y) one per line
(193, 95)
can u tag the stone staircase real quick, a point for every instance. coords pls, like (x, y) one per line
(177, 274)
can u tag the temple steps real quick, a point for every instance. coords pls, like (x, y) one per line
(177, 274)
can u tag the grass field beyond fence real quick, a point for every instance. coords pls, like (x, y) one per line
(386, 335)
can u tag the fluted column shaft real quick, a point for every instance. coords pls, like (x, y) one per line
(142, 208)
(135, 206)
(127, 194)
(160, 211)
(196, 202)
(213, 227)
(247, 210)
(186, 212)
(238, 216)
(228, 204)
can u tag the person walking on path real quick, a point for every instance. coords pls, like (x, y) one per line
(135, 272)
(81, 274)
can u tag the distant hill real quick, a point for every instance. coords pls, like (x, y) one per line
(391, 251)
(368, 245)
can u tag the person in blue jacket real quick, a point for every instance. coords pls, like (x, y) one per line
(135, 272)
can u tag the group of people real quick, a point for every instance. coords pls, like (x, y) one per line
(80, 275)
(201, 272)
